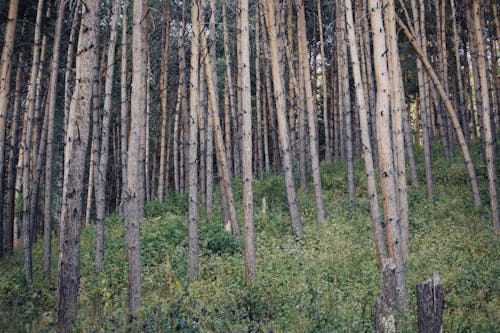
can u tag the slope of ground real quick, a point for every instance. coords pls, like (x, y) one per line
(328, 282)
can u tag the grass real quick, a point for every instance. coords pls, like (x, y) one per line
(328, 282)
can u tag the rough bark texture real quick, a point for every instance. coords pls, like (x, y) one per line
(68, 279)
(47, 211)
(102, 168)
(246, 142)
(365, 137)
(134, 209)
(282, 121)
(487, 123)
(430, 304)
(398, 107)
(449, 108)
(27, 145)
(194, 106)
(5, 70)
(388, 179)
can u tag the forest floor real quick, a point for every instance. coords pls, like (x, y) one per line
(327, 282)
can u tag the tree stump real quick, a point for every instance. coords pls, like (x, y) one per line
(385, 306)
(430, 303)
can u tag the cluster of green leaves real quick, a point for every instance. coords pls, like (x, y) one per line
(327, 282)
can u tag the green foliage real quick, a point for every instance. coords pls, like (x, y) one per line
(327, 282)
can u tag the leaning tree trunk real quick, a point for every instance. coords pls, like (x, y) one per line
(279, 93)
(449, 108)
(68, 279)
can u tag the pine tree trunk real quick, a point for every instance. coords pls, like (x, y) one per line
(194, 109)
(422, 92)
(51, 109)
(312, 121)
(326, 120)
(16, 126)
(27, 145)
(5, 71)
(487, 124)
(365, 137)
(100, 185)
(76, 140)
(451, 113)
(388, 177)
(398, 107)
(124, 106)
(258, 97)
(282, 121)
(246, 141)
(134, 204)
(164, 112)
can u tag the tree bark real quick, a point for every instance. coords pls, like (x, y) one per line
(310, 101)
(163, 97)
(398, 107)
(134, 208)
(388, 177)
(51, 109)
(449, 108)
(365, 137)
(487, 124)
(27, 146)
(5, 70)
(194, 109)
(100, 186)
(282, 121)
(68, 279)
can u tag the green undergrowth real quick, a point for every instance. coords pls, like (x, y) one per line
(326, 282)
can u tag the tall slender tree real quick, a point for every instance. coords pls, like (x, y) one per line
(134, 208)
(68, 279)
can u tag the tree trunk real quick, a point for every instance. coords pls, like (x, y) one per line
(5, 70)
(134, 204)
(398, 107)
(282, 121)
(449, 109)
(51, 109)
(27, 146)
(326, 120)
(100, 186)
(16, 125)
(312, 121)
(422, 92)
(488, 128)
(388, 177)
(76, 140)
(365, 137)
(194, 109)
(226, 189)
(163, 98)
